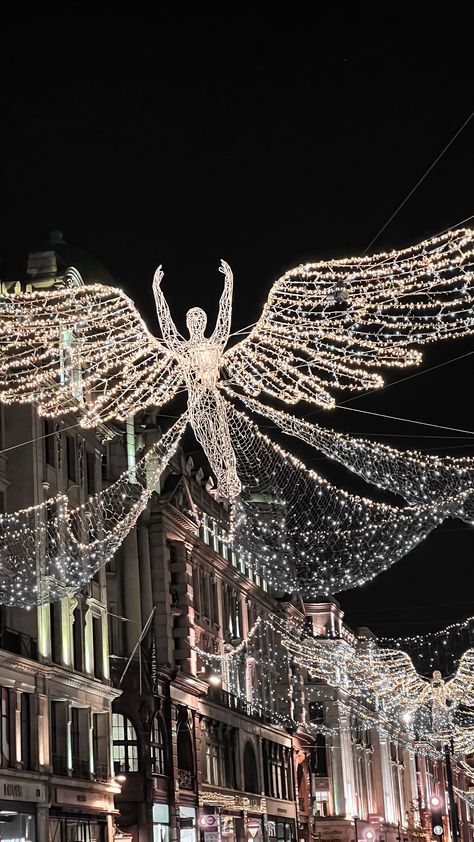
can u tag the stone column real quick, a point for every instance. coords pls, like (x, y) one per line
(386, 778)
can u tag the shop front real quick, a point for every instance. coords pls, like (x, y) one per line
(231, 817)
(281, 821)
(23, 809)
(85, 815)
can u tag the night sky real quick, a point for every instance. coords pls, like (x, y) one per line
(181, 133)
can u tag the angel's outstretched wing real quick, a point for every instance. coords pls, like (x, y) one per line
(85, 349)
(331, 325)
(460, 687)
(392, 677)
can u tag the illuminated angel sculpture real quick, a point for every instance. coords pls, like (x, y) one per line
(436, 708)
(325, 327)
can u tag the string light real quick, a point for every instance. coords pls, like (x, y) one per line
(303, 534)
(328, 325)
(325, 326)
(416, 477)
(382, 684)
(50, 550)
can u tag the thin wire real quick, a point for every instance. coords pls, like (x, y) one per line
(406, 420)
(420, 181)
(38, 438)
(409, 377)
(395, 383)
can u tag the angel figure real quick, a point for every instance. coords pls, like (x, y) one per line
(326, 326)
(200, 361)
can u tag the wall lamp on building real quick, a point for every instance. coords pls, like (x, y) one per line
(120, 779)
(437, 811)
(215, 679)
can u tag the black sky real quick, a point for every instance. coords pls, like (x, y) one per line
(180, 133)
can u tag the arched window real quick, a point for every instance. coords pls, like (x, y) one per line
(185, 749)
(125, 744)
(250, 769)
(157, 745)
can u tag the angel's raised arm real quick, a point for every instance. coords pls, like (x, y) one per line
(222, 328)
(167, 325)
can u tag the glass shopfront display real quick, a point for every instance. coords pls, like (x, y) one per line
(16, 826)
(76, 829)
(187, 824)
(161, 823)
(281, 831)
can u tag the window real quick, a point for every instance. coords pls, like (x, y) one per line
(55, 631)
(25, 731)
(157, 746)
(105, 464)
(250, 769)
(161, 821)
(49, 442)
(5, 727)
(100, 742)
(277, 770)
(59, 718)
(78, 639)
(98, 650)
(125, 744)
(71, 459)
(322, 803)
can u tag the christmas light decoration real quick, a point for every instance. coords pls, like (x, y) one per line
(382, 684)
(325, 326)
(50, 550)
(416, 477)
(302, 534)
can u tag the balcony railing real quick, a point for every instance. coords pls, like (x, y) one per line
(185, 779)
(19, 643)
(59, 764)
(242, 706)
(80, 768)
(100, 771)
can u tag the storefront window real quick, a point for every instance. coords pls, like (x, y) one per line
(161, 823)
(16, 826)
(69, 829)
(187, 824)
(285, 831)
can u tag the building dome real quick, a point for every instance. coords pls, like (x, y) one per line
(44, 267)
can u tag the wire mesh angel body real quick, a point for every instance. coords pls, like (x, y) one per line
(200, 360)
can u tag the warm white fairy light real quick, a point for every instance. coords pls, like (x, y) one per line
(328, 325)
(418, 478)
(303, 534)
(50, 550)
(325, 326)
(381, 686)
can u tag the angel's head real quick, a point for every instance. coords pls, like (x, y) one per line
(196, 321)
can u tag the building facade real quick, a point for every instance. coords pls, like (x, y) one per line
(56, 775)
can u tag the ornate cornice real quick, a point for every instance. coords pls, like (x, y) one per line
(52, 672)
